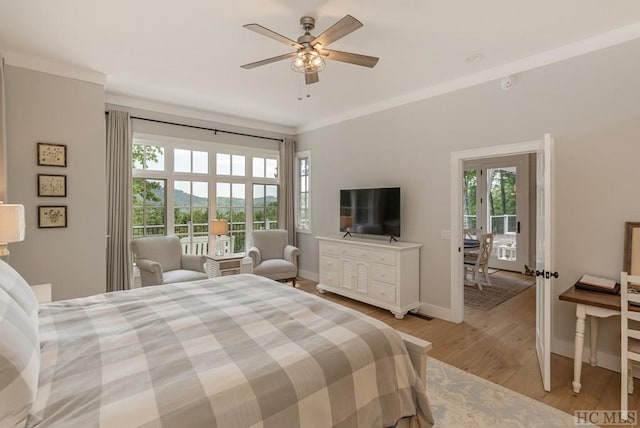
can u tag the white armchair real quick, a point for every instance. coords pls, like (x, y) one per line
(161, 261)
(272, 256)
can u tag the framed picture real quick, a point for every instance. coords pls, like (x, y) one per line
(632, 248)
(50, 216)
(52, 185)
(52, 154)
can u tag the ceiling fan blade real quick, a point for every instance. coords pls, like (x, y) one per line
(351, 58)
(273, 35)
(338, 30)
(268, 61)
(312, 77)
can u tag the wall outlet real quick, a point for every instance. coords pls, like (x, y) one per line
(445, 234)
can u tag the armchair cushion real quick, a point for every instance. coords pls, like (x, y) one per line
(276, 269)
(183, 275)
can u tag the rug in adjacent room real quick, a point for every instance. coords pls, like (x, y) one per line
(504, 285)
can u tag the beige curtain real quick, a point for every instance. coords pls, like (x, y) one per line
(3, 137)
(286, 171)
(119, 184)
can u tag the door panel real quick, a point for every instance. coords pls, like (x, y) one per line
(543, 261)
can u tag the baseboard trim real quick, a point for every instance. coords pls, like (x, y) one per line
(436, 311)
(605, 360)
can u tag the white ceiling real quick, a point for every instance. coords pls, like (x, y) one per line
(189, 53)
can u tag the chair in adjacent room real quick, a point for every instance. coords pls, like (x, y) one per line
(630, 336)
(161, 261)
(272, 255)
(477, 261)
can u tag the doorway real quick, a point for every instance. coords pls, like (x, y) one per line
(543, 150)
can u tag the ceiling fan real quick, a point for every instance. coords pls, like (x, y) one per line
(311, 51)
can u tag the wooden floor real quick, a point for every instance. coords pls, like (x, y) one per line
(499, 345)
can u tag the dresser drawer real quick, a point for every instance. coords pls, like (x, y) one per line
(356, 253)
(330, 278)
(383, 257)
(383, 293)
(329, 264)
(329, 249)
(383, 273)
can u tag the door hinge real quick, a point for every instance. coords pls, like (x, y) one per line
(518, 227)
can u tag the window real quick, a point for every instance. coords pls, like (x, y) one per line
(179, 185)
(303, 193)
(148, 157)
(265, 206)
(230, 206)
(149, 207)
(227, 164)
(190, 161)
(191, 215)
(265, 168)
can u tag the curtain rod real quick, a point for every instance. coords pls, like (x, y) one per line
(215, 131)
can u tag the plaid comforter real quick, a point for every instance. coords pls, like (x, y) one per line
(238, 351)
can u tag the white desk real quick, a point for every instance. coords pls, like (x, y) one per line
(596, 305)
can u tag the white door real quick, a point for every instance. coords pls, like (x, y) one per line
(543, 261)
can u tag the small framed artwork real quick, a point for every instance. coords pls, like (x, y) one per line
(52, 185)
(632, 248)
(51, 216)
(52, 154)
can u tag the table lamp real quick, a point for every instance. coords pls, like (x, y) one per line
(220, 228)
(11, 227)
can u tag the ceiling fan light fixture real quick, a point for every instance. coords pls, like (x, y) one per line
(307, 62)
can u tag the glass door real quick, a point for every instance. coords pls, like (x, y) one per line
(496, 200)
(191, 215)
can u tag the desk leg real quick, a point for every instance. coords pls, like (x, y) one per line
(593, 357)
(579, 344)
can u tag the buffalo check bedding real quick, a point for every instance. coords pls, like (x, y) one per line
(237, 351)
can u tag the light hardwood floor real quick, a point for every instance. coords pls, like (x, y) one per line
(499, 345)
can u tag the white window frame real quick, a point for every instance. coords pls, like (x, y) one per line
(301, 228)
(171, 143)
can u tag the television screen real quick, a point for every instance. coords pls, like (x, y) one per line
(370, 211)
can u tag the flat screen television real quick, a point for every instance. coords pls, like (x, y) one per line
(370, 211)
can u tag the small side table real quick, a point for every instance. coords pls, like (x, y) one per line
(228, 265)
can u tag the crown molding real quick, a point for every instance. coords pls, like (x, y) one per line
(192, 113)
(53, 67)
(582, 47)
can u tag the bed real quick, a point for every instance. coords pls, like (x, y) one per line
(237, 351)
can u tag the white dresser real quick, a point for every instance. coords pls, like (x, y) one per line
(382, 274)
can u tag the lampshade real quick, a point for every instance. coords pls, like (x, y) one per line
(11, 227)
(219, 227)
(11, 223)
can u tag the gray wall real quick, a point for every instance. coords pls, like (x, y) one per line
(46, 108)
(590, 106)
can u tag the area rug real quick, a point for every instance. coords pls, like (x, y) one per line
(460, 399)
(503, 287)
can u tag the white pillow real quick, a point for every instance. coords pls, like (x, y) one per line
(19, 362)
